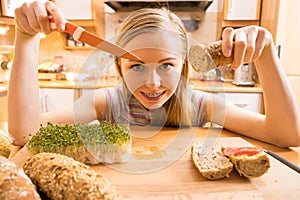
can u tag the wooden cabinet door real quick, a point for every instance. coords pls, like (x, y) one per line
(52, 99)
(288, 31)
(249, 101)
(8, 6)
(282, 19)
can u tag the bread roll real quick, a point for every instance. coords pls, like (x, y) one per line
(207, 56)
(14, 184)
(250, 162)
(61, 177)
(5, 144)
(213, 165)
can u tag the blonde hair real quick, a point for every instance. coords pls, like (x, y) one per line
(155, 20)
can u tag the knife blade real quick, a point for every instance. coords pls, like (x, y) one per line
(284, 161)
(79, 34)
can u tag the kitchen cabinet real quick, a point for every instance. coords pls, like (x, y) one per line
(8, 10)
(250, 98)
(81, 10)
(8, 6)
(249, 101)
(88, 14)
(52, 99)
(55, 98)
(241, 9)
(237, 13)
(281, 18)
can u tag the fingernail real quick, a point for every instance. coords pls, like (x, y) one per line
(62, 27)
(228, 52)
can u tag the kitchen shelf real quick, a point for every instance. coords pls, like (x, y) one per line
(7, 20)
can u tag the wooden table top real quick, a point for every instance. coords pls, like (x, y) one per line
(160, 167)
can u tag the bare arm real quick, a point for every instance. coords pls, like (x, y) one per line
(281, 123)
(23, 100)
(25, 115)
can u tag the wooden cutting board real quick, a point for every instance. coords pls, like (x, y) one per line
(180, 179)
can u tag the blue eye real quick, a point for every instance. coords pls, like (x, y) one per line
(137, 67)
(165, 66)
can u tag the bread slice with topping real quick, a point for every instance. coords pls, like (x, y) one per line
(250, 162)
(212, 165)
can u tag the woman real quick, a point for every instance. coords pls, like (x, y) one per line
(154, 90)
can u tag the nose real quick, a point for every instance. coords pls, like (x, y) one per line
(153, 79)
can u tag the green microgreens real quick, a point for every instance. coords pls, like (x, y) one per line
(79, 135)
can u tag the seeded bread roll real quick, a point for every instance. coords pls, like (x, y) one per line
(5, 144)
(253, 163)
(61, 177)
(207, 56)
(14, 184)
(213, 165)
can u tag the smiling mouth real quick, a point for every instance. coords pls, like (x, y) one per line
(153, 95)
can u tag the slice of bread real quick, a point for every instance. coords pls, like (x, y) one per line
(5, 144)
(250, 162)
(206, 56)
(212, 165)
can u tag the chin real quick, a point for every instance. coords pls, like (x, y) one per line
(152, 106)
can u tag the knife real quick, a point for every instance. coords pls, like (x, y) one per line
(284, 161)
(79, 34)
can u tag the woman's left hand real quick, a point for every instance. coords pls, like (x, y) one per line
(245, 43)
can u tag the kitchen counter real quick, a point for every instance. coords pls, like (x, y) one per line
(215, 86)
(196, 84)
(63, 84)
(209, 86)
(161, 168)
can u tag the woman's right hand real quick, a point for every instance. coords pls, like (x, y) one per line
(33, 18)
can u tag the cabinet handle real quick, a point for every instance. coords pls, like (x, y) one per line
(241, 105)
(46, 103)
(279, 50)
(229, 6)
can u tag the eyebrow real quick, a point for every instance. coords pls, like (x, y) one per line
(160, 61)
(170, 58)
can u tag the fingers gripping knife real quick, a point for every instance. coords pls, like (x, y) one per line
(79, 34)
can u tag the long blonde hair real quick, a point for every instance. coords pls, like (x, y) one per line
(155, 20)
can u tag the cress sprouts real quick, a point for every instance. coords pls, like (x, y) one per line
(79, 135)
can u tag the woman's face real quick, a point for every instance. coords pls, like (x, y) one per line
(154, 79)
